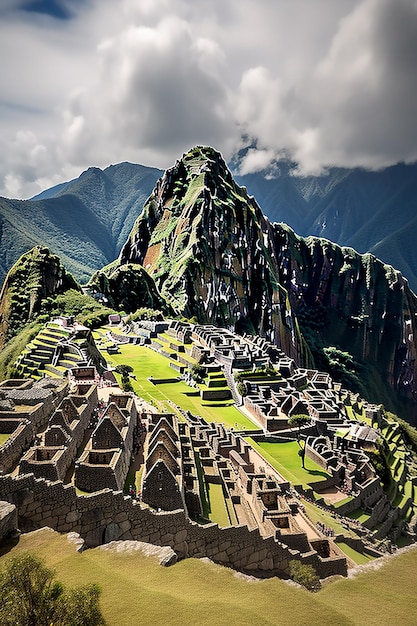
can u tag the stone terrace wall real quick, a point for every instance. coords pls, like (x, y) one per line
(19, 440)
(107, 516)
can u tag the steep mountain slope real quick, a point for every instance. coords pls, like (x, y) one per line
(85, 221)
(38, 274)
(214, 256)
(209, 250)
(357, 208)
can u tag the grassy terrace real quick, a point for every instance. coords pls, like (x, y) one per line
(147, 362)
(284, 458)
(3, 438)
(218, 508)
(137, 590)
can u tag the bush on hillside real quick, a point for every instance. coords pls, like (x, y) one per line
(305, 575)
(31, 596)
(83, 307)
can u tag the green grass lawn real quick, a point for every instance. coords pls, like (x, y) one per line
(317, 514)
(357, 557)
(284, 457)
(147, 362)
(218, 509)
(137, 590)
(359, 515)
(3, 438)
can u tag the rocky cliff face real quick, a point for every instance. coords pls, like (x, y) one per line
(36, 275)
(210, 251)
(214, 256)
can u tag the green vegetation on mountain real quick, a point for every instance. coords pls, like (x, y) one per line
(370, 211)
(127, 288)
(203, 250)
(85, 221)
(217, 259)
(37, 275)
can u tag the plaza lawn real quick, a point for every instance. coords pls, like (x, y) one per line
(317, 514)
(147, 362)
(137, 590)
(284, 458)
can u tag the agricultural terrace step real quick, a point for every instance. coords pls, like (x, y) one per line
(68, 364)
(57, 330)
(54, 332)
(71, 354)
(45, 341)
(58, 370)
(40, 358)
(218, 382)
(45, 351)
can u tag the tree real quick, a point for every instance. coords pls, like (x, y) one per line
(125, 371)
(299, 420)
(305, 575)
(198, 373)
(31, 597)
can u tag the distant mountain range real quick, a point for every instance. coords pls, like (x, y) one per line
(87, 220)
(369, 211)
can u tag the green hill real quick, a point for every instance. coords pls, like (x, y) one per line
(85, 221)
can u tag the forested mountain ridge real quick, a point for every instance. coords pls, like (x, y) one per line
(85, 221)
(370, 211)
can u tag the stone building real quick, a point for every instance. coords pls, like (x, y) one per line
(56, 449)
(25, 407)
(106, 458)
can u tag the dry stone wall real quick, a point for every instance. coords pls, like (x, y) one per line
(107, 516)
(20, 439)
(8, 520)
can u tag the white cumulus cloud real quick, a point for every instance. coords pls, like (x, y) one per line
(140, 80)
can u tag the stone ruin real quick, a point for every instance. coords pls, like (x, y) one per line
(44, 477)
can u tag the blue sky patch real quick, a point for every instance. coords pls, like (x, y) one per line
(54, 8)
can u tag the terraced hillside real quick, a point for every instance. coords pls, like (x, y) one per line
(55, 350)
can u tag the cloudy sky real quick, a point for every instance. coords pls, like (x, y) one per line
(94, 82)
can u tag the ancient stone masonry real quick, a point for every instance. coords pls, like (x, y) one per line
(261, 509)
(61, 345)
(184, 458)
(170, 480)
(25, 407)
(57, 447)
(106, 457)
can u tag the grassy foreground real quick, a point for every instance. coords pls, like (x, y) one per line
(137, 590)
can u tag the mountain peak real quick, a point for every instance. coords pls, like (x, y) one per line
(36, 275)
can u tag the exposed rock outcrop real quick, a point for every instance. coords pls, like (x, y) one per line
(214, 256)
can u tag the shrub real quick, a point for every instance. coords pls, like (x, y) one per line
(305, 575)
(198, 373)
(31, 596)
